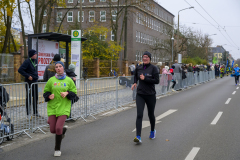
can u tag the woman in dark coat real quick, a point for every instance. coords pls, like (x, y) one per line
(217, 71)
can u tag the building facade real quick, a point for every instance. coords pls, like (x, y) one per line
(147, 23)
(221, 55)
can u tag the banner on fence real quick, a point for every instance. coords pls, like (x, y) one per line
(46, 52)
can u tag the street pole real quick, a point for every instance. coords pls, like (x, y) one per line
(80, 28)
(178, 25)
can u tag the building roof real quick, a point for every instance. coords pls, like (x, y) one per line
(54, 36)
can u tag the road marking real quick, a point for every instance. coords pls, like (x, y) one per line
(214, 122)
(229, 99)
(234, 92)
(147, 123)
(237, 88)
(193, 153)
(166, 114)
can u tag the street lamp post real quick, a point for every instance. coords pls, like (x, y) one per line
(172, 44)
(178, 24)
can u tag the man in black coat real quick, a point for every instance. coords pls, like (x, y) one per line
(29, 70)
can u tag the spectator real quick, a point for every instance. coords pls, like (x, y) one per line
(190, 68)
(50, 69)
(71, 72)
(29, 70)
(217, 71)
(164, 80)
(177, 72)
(132, 68)
(173, 77)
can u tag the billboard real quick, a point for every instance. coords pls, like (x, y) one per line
(46, 52)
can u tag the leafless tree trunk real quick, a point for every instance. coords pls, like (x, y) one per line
(22, 26)
(8, 23)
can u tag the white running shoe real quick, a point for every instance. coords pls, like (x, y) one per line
(57, 153)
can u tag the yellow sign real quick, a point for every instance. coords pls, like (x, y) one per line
(218, 55)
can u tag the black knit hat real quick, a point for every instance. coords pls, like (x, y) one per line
(56, 57)
(31, 52)
(148, 54)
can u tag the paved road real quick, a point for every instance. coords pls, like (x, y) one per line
(185, 133)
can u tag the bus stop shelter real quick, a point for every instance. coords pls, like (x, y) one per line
(51, 36)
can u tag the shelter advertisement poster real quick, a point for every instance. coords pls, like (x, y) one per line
(46, 52)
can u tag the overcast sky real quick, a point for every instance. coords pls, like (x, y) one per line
(225, 13)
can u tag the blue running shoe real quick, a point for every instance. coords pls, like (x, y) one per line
(137, 140)
(152, 134)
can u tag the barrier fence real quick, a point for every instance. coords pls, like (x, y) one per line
(26, 110)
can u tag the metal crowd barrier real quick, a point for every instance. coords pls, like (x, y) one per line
(96, 95)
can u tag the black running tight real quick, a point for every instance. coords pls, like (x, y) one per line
(236, 79)
(150, 100)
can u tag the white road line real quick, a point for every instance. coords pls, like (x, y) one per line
(147, 123)
(193, 153)
(214, 122)
(229, 99)
(237, 88)
(234, 92)
(166, 114)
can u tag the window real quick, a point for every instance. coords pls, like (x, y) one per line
(143, 35)
(45, 13)
(136, 55)
(146, 21)
(103, 16)
(44, 28)
(91, 16)
(102, 0)
(79, 16)
(70, 1)
(136, 36)
(103, 37)
(91, 0)
(70, 17)
(59, 16)
(114, 15)
(141, 38)
(79, 1)
(112, 36)
(114, 0)
(137, 17)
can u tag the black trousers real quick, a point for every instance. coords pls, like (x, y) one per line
(174, 83)
(141, 100)
(236, 79)
(33, 98)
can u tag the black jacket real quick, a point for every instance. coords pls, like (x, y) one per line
(71, 74)
(27, 69)
(146, 86)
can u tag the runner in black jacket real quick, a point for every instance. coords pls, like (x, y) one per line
(147, 75)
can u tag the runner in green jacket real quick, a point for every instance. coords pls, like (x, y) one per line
(58, 92)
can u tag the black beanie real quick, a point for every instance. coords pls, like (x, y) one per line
(148, 54)
(31, 52)
(56, 57)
